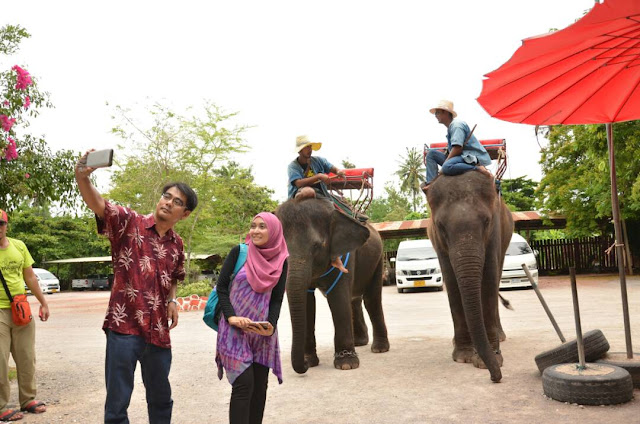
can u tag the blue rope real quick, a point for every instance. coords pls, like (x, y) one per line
(346, 262)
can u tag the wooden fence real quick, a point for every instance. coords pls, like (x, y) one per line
(587, 254)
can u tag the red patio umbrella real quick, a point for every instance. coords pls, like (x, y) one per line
(587, 73)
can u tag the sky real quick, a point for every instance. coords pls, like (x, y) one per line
(357, 76)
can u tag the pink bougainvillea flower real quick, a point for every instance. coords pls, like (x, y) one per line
(27, 102)
(10, 152)
(6, 103)
(27, 175)
(23, 80)
(7, 122)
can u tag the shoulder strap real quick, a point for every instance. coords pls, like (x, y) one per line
(6, 289)
(242, 258)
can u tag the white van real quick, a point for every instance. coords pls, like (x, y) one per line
(518, 253)
(49, 283)
(417, 265)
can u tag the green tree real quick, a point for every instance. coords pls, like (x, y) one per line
(411, 174)
(30, 173)
(576, 179)
(393, 206)
(195, 150)
(346, 164)
(519, 193)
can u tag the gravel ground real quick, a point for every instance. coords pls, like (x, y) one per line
(415, 382)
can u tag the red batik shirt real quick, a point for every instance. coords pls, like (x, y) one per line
(145, 266)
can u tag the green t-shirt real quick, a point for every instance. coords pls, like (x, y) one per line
(13, 260)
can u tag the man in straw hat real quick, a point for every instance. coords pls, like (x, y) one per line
(464, 150)
(18, 340)
(308, 175)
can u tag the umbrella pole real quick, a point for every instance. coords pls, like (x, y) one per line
(615, 207)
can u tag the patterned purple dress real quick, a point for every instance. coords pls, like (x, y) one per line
(236, 349)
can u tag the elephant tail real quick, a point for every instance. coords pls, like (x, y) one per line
(506, 303)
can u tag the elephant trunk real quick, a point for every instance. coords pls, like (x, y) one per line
(297, 285)
(468, 265)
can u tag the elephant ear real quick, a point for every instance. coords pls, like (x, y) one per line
(346, 234)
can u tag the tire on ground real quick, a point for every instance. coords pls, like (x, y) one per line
(599, 384)
(619, 359)
(595, 346)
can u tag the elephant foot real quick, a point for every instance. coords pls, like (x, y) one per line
(463, 356)
(311, 359)
(346, 360)
(361, 340)
(479, 363)
(380, 345)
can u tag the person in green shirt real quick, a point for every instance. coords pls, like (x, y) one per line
(19, 341)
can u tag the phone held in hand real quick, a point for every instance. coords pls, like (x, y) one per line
(262, 324)
(100, 158)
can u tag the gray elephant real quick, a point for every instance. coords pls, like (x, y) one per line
(316, 232)
(470, 230)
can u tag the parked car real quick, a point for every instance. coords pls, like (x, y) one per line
(48, 282)
(519, 252)
(92, 282)
(417, 265)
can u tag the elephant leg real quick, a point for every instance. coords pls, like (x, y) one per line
(310, 354)
(339, 299)
(463, 350)
(373, 303)
(360, 330)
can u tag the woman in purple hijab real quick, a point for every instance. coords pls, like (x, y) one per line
(247, 332)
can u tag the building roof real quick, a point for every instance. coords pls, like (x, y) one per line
(527, 220)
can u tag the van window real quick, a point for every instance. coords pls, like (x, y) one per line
(45, 275)
(416, 254)
(518, 248)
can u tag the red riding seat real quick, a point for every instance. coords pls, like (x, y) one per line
(497, 149)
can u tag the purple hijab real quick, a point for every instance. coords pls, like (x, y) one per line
(264, 263)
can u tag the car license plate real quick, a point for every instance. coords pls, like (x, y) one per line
(418, 283)
(54, 290)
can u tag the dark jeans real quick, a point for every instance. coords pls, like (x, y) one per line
(248, 395)
(123, 353)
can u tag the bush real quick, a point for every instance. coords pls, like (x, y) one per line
(201, 288)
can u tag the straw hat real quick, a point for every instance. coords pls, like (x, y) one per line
(303, 141)
(445, 105)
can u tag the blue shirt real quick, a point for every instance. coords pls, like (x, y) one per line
(318, 165)
(473, 152)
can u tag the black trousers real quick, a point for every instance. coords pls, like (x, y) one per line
(248, 395)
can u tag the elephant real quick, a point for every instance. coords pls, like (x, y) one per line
(470, 230)
(315, 232)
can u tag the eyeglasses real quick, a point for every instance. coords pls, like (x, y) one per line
(175, 200)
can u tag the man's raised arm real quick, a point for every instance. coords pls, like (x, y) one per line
(90, 195)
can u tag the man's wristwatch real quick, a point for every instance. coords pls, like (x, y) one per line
(174, 300)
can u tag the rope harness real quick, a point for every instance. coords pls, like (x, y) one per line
(345, 259)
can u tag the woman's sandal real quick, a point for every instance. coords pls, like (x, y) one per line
(11, 415)
(32, 407)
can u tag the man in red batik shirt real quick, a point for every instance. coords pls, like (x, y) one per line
(148, 259)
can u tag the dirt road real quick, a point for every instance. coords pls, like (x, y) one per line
(415, 382)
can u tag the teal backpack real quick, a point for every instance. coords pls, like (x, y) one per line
(212, 309)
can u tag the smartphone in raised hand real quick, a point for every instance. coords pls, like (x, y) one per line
(100, 158)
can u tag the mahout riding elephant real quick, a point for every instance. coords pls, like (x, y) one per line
(471, 228)
(315, 233)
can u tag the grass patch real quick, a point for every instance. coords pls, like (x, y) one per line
(12, 373)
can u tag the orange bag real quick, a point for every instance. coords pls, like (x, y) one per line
(20, 308)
